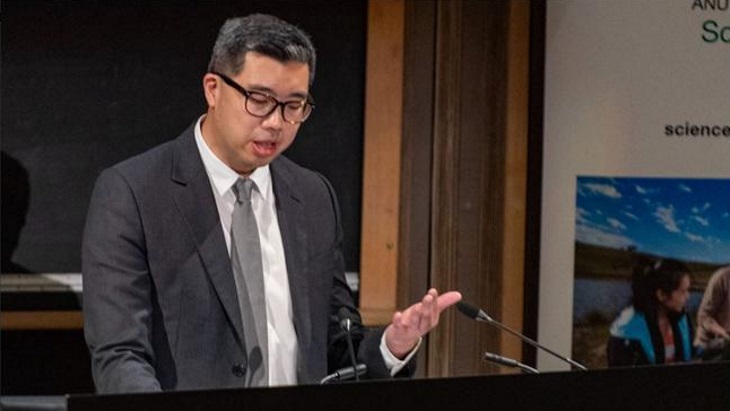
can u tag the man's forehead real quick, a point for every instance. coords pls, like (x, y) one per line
(254, 57)
(268, 74)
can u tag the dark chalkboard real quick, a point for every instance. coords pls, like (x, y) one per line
(86, 84)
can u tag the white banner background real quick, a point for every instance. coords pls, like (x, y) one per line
(617, 72)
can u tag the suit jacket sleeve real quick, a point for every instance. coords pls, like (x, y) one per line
(365, 339)
(117, 290)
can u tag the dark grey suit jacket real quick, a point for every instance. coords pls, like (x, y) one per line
(160, 305)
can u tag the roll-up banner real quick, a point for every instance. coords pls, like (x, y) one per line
(636, 160)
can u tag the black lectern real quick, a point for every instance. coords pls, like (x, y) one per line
(679, 387)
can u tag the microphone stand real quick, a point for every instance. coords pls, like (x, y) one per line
(480, 315)
(532, 342)
(350, 347)
(346, 324)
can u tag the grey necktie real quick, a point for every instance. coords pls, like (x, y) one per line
(249, 276)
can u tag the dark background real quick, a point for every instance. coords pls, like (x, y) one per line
(87, 84)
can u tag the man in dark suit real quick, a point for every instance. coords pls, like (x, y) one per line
(162, 303)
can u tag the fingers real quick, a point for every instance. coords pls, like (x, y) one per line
(448, 299)
(427, 311)
(417, 320)
(424, 315)
(397, 321)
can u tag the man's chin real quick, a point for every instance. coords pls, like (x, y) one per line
(249, 167)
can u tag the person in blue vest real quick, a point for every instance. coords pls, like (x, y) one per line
(656, 328)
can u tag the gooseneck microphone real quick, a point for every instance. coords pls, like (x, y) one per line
(509, 362)
(479, 315)
(344, 316)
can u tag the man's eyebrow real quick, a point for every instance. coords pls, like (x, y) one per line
(267, 90)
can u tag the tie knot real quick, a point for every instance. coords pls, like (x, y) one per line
(242, 189)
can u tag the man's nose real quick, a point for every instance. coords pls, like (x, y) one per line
(274, 120)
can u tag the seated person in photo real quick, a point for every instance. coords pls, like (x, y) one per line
(656, 328)
(713, 318)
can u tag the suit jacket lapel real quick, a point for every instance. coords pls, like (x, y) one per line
(290, 211)
(194, 199)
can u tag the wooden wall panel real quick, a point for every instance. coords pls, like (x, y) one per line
(381, 161)
(513, 248)
(461, 161)
(445, 182)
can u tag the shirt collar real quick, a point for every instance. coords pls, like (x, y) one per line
(223, 177)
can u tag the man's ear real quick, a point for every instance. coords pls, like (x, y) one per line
(211, 88)
(661, 295)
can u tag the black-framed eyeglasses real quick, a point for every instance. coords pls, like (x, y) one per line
(262, 105)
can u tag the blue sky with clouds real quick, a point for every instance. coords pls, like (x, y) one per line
(682, 218)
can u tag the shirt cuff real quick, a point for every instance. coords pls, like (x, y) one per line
(393, 363)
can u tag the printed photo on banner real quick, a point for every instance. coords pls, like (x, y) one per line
(624, 222)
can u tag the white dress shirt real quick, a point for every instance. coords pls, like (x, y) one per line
(282, 339)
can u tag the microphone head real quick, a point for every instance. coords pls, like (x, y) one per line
(468, 310)
(472, 312)
(345, 317)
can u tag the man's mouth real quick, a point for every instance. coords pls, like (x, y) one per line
(264, 148)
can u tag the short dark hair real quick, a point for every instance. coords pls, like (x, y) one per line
(652, 275)
(264, 34)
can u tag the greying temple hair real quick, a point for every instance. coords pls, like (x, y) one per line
(264, 34)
